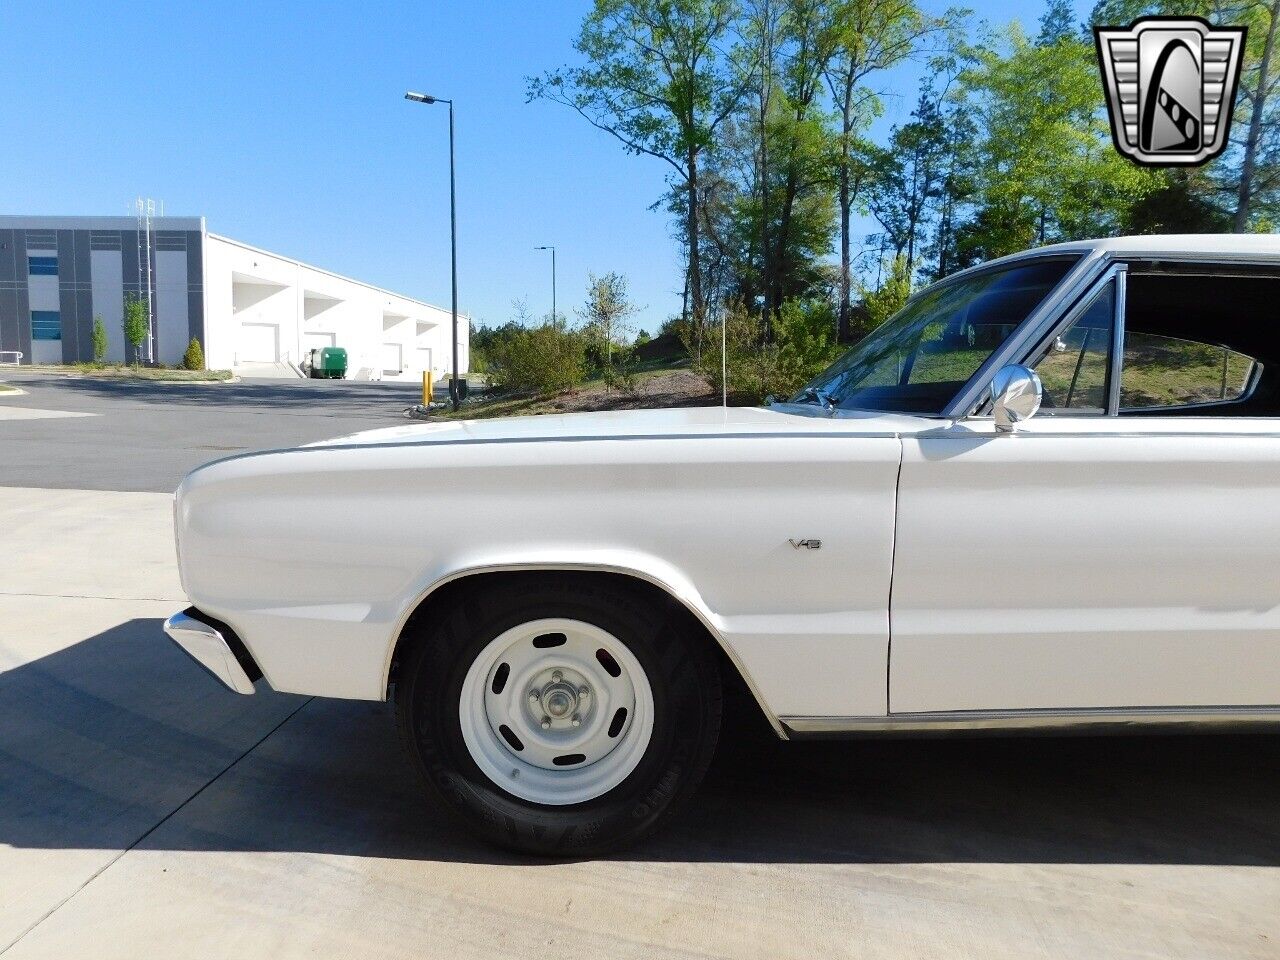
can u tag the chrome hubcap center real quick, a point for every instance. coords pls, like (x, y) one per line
(560, 700)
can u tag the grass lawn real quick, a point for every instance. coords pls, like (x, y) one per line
(133, 373)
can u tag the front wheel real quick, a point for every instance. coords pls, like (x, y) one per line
(561, 716)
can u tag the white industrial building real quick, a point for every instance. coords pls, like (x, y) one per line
(255, 312)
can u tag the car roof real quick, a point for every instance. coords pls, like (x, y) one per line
(1182, 246)
(1215, 244)
(1210, 245)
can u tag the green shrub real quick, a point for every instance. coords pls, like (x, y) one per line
(193, 359)
(745, 358)
(803, 345)
(542, 359)
(804, 333)
(99, 339)
(135, 324)
(621, 374)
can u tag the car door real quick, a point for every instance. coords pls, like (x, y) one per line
(1121, 549)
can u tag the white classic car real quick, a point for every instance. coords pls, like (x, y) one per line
(1045, 494)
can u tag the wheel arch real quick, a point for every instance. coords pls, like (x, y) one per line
(449, 588)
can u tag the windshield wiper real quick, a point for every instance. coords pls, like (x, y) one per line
(816, 395)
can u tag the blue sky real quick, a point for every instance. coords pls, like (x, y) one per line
(283, 123)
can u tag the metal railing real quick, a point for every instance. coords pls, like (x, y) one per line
(17, 358)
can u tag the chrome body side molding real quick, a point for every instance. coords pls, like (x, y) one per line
(1103, 719)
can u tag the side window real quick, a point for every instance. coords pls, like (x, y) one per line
(1169, 372)
(1200, 343)
(1073, 370)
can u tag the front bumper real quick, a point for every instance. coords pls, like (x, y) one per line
(215, 647)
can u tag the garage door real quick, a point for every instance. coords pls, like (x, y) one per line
(424, 358)
(392, 359)
(259, 343)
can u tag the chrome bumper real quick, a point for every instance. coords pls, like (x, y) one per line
(209, 648)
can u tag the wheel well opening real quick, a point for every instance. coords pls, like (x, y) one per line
(739, 700)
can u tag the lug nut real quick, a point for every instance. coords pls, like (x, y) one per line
(546, 723)
(557, 676)
(576, 721)
(584, 692)
(534, 696)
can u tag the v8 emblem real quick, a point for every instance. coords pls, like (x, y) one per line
(809, 544)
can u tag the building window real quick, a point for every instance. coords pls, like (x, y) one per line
(42, 266)
(46, 325)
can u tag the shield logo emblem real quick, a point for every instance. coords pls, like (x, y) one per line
(1171, 87)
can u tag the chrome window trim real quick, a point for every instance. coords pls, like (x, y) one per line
(1116, 370)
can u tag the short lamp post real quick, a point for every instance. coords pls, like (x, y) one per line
(453, 238)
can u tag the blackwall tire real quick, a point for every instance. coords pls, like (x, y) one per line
(467, 715)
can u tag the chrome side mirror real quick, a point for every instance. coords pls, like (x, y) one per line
(1015, 396)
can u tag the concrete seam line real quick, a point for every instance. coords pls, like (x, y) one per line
(88, 596)
(163, 820)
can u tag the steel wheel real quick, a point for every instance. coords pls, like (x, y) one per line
(556, 711)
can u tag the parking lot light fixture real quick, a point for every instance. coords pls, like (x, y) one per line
(417, 97)
(553, 281)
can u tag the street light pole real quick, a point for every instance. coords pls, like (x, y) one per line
(453, 239)
(553, 280)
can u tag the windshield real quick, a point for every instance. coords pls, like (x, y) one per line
(919, 359)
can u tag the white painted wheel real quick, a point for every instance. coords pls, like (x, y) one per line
(556, 711)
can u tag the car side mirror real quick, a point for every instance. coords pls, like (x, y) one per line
(1015, 396)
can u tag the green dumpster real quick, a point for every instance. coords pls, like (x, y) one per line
(329, 363)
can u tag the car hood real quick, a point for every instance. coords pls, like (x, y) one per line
(687, 421)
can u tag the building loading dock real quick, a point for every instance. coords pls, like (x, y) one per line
(255, 312)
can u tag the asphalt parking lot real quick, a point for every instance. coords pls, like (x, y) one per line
(143, 435)
(147, 812)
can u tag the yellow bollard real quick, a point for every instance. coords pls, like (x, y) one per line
(426, 388)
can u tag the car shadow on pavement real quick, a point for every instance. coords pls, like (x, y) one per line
(120, 740)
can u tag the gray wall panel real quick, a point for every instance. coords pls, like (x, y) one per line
(21, 300)
(84, 296)
(195, 286)
(8, 292)
(129, 261)
(68, 308)
(171, 321)
(108, 298)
